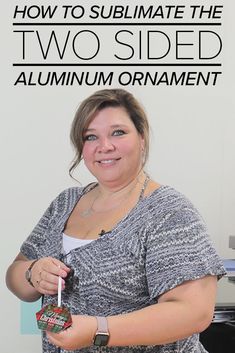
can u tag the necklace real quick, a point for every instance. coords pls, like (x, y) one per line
(89, 211)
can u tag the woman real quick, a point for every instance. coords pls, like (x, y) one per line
(139, 272)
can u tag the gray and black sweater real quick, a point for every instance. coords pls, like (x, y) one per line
(158, 245)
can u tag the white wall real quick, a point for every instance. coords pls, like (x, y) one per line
(192, 149)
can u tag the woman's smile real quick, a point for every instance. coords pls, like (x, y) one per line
(108, 162)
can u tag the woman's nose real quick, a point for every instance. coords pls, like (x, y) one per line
(105, 145)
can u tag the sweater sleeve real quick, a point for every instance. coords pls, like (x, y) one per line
(30, 247)
(45, 238)
(180, 250)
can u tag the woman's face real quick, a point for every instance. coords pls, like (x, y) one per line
(113, 148)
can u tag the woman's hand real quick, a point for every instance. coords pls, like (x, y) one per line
(45, 275)
(77, 336)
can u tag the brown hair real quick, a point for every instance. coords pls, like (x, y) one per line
(98, 101)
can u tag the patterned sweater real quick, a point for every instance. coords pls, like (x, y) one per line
(158, 245)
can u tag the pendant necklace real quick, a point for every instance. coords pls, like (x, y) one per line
(89, 211)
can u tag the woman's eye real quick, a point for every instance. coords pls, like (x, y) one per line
(118, 133)
(89, 138)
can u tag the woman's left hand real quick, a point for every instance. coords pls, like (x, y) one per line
(77, 336)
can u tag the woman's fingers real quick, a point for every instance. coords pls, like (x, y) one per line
(49, 281)
(54, 266)
(46, 273)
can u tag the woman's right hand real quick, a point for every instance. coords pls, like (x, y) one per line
(45, 275)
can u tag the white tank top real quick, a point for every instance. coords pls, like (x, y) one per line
(70, 243)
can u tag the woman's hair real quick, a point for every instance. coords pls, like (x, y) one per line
(98, 101)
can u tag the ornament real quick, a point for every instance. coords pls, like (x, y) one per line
(54, 318)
